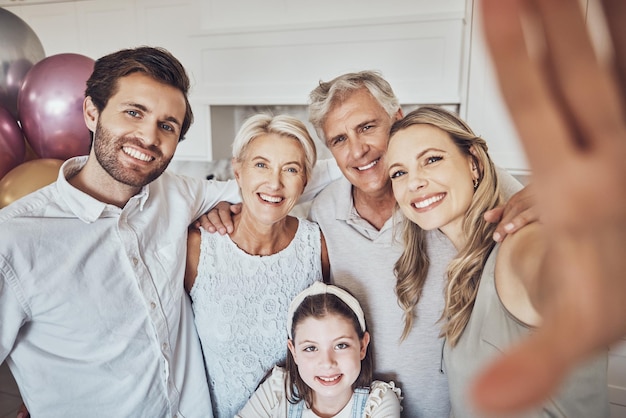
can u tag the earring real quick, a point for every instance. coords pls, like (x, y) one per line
(475, 184)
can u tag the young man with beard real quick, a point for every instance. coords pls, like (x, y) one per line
(94, 319)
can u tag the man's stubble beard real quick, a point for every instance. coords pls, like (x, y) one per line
(106, 149)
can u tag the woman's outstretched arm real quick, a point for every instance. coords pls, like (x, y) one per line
(569, 109)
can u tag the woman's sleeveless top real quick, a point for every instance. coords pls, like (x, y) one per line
(491, 330)
(240, 303)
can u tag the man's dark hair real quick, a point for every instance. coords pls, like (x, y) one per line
(157, 63)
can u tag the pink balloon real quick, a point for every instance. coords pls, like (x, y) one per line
(12, 146)
(50, 106)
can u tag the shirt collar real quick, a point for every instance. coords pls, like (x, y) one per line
(345, 211)
(344, 204)
(85, 207)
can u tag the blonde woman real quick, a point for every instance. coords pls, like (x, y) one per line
(241, 284)
(444, 180)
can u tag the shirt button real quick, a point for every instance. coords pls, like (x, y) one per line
(135, 260)
(164, 346)
(152, 305)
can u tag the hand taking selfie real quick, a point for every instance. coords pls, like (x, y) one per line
(569, 109)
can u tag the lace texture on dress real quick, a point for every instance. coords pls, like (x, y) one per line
(240, 304)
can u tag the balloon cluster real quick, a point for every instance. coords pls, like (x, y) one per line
(41, 118)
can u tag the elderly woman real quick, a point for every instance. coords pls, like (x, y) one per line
(444, 180)
(241, 284)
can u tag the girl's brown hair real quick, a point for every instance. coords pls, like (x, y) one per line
(319, 306)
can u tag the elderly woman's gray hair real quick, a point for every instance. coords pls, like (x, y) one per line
(283, 125)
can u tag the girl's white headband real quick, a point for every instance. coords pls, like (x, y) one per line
(319, 288)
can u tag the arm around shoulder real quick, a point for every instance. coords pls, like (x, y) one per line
(194, 237)
(324, 172)
(215, 191)
(509, 185)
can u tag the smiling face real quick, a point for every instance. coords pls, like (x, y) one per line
(328, 353)
(136, 134)
(357, 133)
(271, 175)
(432, 179)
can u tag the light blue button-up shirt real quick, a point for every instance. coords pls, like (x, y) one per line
(94, 320)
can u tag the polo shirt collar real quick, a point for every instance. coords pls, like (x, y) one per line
(344, 204)
(345, 211)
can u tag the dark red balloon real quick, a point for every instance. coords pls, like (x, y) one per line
(50, 106)
(12, 146)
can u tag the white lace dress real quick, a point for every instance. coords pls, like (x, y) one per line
(240, 304)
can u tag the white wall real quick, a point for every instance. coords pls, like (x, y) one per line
(273, 52)
(484, 108)
(270, 52)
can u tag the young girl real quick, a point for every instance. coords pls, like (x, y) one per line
(329, 370)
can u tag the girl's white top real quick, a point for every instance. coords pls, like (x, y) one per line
(270, 400)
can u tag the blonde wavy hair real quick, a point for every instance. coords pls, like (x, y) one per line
(464, 271)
